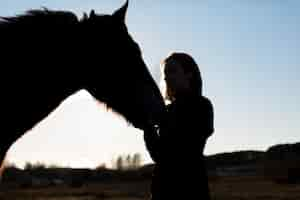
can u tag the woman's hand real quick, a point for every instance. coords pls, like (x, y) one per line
(151, 130)
(151, 138)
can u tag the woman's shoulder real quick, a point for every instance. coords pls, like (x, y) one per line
(205, 101)
(202, 106)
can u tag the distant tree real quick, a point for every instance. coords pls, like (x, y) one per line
(101, 167)
(120, 163)
(28, 166)
(127, 162)
(10, 165)
(37, 165)
(54, 166)
(136, 160)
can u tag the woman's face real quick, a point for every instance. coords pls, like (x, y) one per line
(176, 79)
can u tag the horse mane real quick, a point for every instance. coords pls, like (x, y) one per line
(44, 16)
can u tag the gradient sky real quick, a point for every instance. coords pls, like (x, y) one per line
(248, 54)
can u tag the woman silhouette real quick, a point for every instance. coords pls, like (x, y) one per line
(177, 145)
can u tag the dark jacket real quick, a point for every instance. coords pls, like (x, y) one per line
(177, 150)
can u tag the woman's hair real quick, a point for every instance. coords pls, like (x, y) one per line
(189, 66)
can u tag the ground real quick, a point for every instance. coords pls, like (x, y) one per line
(227, 188)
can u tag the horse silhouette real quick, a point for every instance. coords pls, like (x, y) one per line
(47, 55)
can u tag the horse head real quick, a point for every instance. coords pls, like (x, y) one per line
(128, 86)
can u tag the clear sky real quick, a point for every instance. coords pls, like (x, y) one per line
(248, 54)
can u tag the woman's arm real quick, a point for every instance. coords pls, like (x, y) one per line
(207, 124)
(198, 126)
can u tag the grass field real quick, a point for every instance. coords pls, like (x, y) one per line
(230, 188)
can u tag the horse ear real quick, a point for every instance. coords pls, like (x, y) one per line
(92, 14)
(121, 13)
(85, 17)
